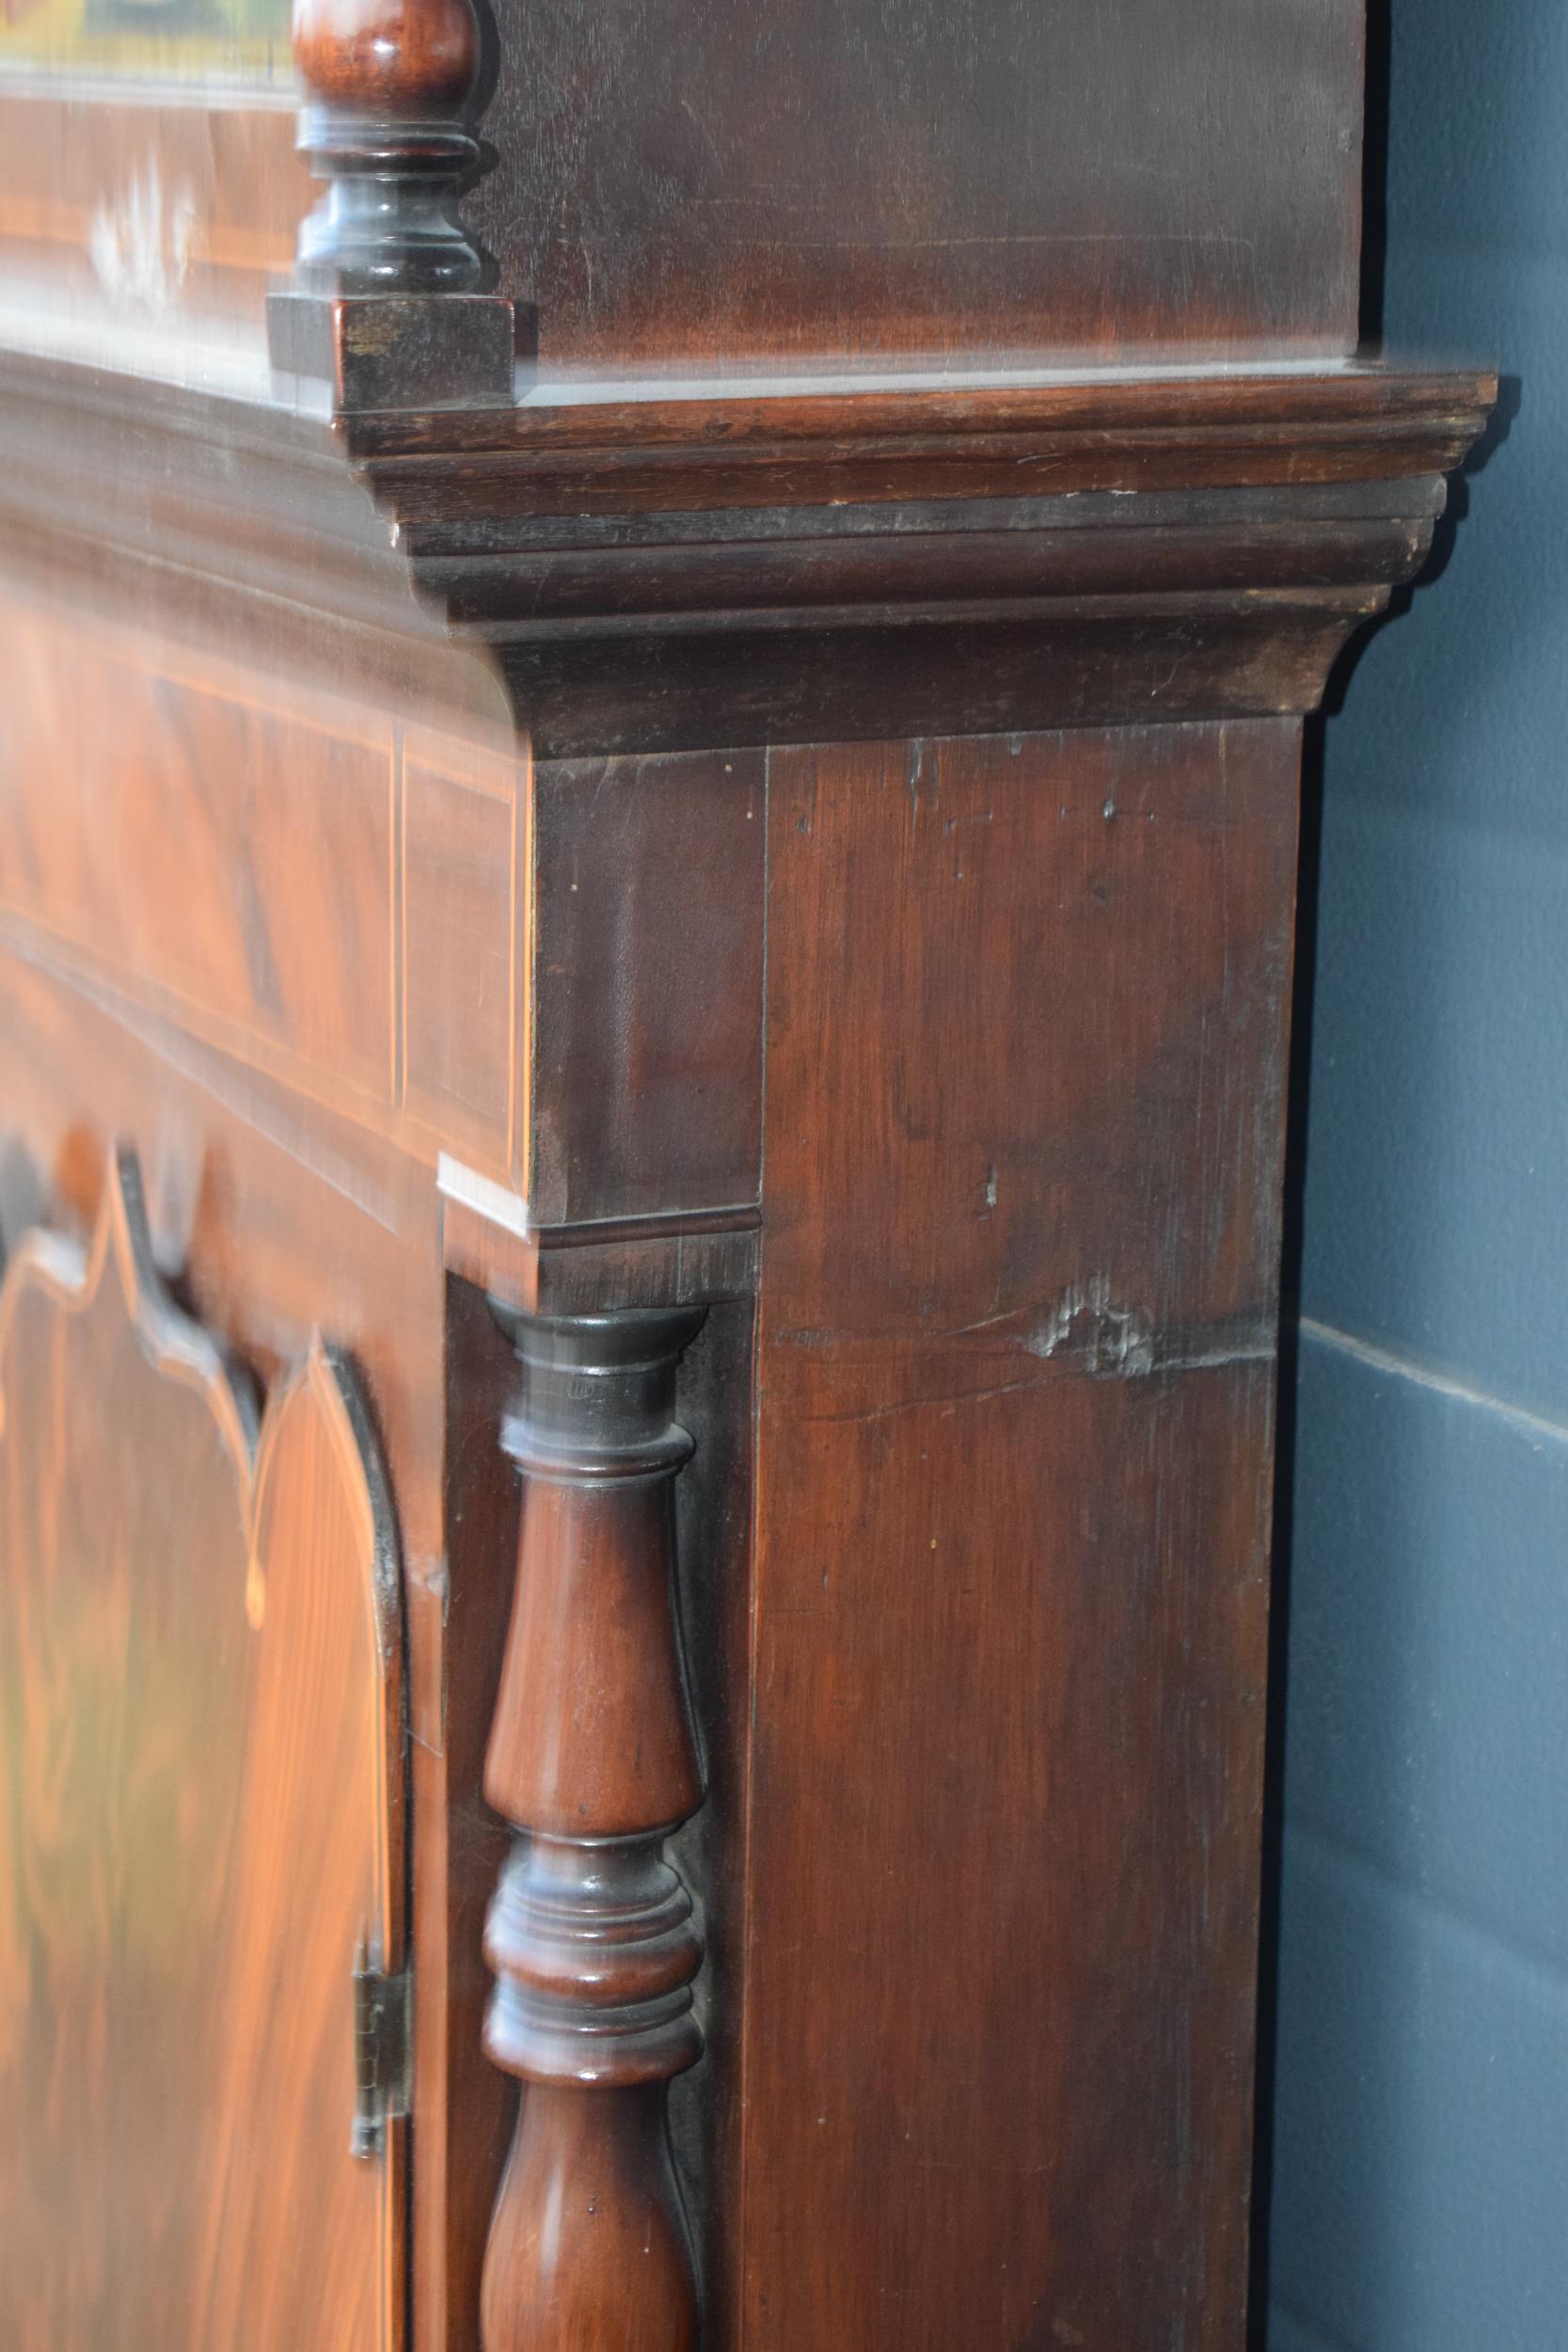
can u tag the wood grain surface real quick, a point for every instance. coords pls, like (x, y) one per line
(1025, 1050)
(204, 1799)
(297, 876)
(689, 183)
(683, 448)
(645, 990)
(290, 1199)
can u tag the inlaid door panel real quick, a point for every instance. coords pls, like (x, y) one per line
(201, 1829)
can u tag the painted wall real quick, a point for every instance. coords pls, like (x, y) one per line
(1421, 2199)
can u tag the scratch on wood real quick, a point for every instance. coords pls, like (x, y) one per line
(1084, 1333)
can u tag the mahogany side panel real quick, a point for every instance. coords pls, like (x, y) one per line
(205, 1806)
(1026, 1047)
(290, 1134)
(127, 1679)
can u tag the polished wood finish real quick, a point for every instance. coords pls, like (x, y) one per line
(805, 443)
(886, 183)
(727, 573)
(883, 183)
(742, 827)
(1015, 1458)
(399, 58)
(311, 1893)
(686, 183)
(592, 1936)
(288, 1215)
(295, 877)
(204, 1768)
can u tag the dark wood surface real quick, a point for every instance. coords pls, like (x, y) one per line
(646, 909)
(1016, 1394)
(294, 876)
(1104, 430)
(204, 1792)
(881, 178)
(630, 578)
(298, 1042)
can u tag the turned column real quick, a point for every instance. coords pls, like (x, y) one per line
(591, 1934)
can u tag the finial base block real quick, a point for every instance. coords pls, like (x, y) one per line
(399, 351)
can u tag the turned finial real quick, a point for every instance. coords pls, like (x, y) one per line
(386, 124)
(386, 304)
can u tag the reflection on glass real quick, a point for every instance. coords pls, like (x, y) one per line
(186, 40)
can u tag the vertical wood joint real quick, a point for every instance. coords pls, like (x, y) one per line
(592, 1934)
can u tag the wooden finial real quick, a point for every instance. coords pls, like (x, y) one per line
(389, 86)
(386, 302)
(592, 1934)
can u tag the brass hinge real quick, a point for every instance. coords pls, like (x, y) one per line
(382, 2052)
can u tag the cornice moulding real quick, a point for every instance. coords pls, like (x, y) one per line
(664, 573)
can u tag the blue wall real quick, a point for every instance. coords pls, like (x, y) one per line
(1421, 2198)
